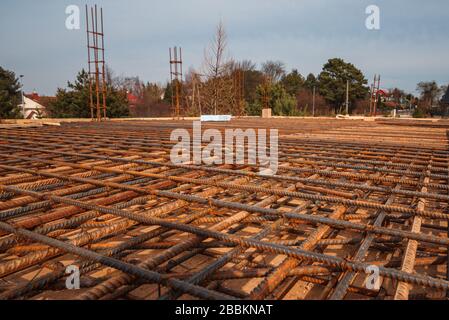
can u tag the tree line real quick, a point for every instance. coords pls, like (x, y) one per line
(213, 89)
(223, 85)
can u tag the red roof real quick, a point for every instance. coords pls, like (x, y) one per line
(132, 99)
(33, 96)
(383, 92)
(42, 100)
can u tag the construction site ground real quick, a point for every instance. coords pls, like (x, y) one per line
(349, 197)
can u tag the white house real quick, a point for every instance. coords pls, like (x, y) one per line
(31, 109)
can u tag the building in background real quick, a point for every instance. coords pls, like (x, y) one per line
(133, 102)
(31, 107)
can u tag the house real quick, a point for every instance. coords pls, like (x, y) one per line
(31, 107)
(133, 102)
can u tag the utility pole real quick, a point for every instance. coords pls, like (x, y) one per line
(192, 108)
(22, 96)
(374, 97)
(377, 94)
(313, 102)
(347, 97)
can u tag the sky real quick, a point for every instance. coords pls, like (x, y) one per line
(412, 44)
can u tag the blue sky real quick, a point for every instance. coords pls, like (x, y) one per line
(411, 46)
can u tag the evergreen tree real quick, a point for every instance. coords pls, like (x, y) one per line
(74, 102)
(292, 82)
(281, 103)
(10, 95)
(311, 81)
(168, 92)
(336, 72)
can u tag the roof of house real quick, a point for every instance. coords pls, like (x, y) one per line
(33, 96)
(32, 104)
(42, 100)
(132, 99)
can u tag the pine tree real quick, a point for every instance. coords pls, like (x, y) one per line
(10, 95)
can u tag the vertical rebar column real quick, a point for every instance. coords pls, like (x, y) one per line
(97, 70)
(176, 81)
(91, 101)
(242, 92)
(96, 63)
(103, 65)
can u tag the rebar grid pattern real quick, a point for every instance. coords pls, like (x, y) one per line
(348, 195)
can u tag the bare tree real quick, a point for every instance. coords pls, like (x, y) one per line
(429, 91)
(215, 60)
(244, 65)
(274, 70)
(192, 92)
(305, 102)
(217, 91)
(109, 75)
(247, 65)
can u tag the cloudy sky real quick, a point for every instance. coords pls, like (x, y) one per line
(412, 44)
